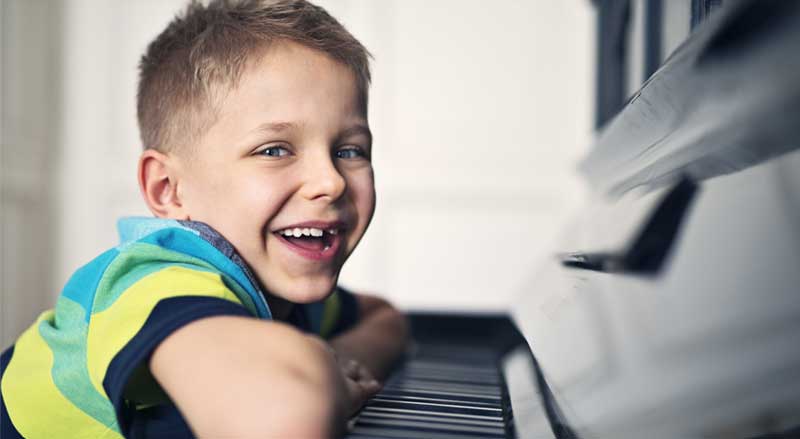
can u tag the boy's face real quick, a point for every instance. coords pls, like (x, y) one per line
(288, 155)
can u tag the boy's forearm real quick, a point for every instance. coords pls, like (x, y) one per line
(251, 379)
(377, 341)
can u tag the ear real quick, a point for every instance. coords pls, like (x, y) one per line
(158, 182)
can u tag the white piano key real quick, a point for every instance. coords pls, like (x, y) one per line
(478, 379)
(443, 390)
(401, 377)
(431, 408)
(450, 366)
(440, 400)
(445, 428)
(444, 393)
(480, 390)
(368, 432)
(454, 380)
(491, 401)
(494, 380)
(430, 418)
(429, 391)
(436, 404)
(444, 367)
(433, 412)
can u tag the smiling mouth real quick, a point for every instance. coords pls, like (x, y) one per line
(311, 242)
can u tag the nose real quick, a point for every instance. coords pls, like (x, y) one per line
(322, 179)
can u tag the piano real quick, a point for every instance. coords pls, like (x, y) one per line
(672, 308)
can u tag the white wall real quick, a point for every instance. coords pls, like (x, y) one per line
(479, 109)
(29, 158)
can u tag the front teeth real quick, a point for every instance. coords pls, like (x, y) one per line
(308, 231)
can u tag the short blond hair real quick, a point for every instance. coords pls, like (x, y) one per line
(201, 55)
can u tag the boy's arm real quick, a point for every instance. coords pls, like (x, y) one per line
(242, 377)
(378, 339)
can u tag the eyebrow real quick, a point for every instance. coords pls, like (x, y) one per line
(279, 127)
(356, 130)
(276, 127)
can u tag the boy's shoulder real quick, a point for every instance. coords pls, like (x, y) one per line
(111, 315)
(176, 258)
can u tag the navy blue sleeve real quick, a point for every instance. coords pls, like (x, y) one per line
(128, 372)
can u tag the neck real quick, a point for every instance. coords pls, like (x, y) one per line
(280, 308)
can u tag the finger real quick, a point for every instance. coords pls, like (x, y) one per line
(356, 396)
(370, 387)
(350, 370)
(374, 386)
(355, 389)
(353, 366)
(365, 374)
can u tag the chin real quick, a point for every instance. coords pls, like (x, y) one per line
(309, 291)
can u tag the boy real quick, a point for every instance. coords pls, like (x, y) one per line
(207, 319)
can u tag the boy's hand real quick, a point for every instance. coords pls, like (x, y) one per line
(377, 340)
(360, 383)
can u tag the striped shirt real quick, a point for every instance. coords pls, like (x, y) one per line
(81, 369)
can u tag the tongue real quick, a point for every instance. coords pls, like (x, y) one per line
(313, 244)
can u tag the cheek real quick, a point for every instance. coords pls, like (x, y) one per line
(258, 200)
(239, 200)
(362, 188)
(247, 210)
(201, 193)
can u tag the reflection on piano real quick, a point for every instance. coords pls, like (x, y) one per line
(673, 309)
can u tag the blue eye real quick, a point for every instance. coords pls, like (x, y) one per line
(274, 151)
(350, 153)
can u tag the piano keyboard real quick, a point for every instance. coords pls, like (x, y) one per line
(440, 392)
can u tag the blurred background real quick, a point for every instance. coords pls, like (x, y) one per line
(480, 111)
